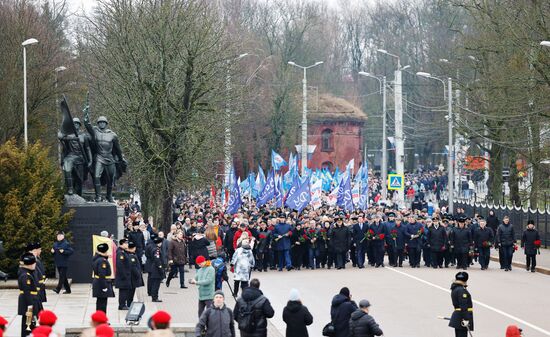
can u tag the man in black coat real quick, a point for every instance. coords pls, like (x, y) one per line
(378, 240)
(461, 239)
(483, 240)
(340, 238)
(436, 238)
(506, 238)
(154, 267)
(396, 241)
(136, 274)
(361, 324)
(530, 241)
(462, 318)
(61, 251)
(28, 292)
(40, 271)
(358, 234)
(102, 287)
(123, 274)
(340, 312)
(136, 236)
(253, 300)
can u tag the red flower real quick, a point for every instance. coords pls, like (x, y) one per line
(305, 236)
(515, 247)
(421, 229)
(382, 236)
(263, 236)
(312, 230)
(537, 243)
(393, 231)
(271, 227)
(371, 232)
(323, 230)
(289, 233)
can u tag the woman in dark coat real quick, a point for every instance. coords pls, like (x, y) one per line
(296, 316)
(340, 312)
(492, 221)
(530, 235)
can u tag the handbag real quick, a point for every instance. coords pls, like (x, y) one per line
(329, 330)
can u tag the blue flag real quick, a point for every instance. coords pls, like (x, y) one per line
(292, 191)
(300, 198)
(277, 161)
(363, 202)
(235, 202)
(268, 192)
(346, 199)
(279, 192)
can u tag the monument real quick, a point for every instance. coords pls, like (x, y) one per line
(97, 152)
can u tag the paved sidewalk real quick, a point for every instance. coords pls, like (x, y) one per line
(74, 310)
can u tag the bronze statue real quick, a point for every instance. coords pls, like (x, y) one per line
(108, 161)
(76, 155)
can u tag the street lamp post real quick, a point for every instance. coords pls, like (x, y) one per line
(384, 168)
(450, 156)
(304, 113)
(26, 43)
(399, 140)
(227, 134)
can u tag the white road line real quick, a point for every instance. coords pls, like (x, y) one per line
(517, 319)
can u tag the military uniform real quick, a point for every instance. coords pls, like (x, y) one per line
(136, 276)
(154, 267)
(28, 293)
(41, 278)
(123, 278)
(102, 288)
(463, 306)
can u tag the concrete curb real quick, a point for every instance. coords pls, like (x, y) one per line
(521, 265)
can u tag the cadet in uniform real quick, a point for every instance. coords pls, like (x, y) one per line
(28, 293)
(136, 276)
(461, 239)
(123, 274)
(462, 319)
(102, 288)
(39, 272)
(154, 267)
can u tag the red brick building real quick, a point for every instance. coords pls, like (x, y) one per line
(336, 129)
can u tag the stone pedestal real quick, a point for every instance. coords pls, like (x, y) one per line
(90, 218)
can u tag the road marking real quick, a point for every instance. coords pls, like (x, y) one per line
(486, 306)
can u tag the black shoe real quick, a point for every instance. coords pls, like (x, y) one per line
(157, 300)
(67, 292)
(183, 287)
(533, 270)
(56, 291)
(168, 283)
(265, 270)
(125, 307)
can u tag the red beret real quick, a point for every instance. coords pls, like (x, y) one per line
(47, 317)
(43, 330)
(99, 317)
(161, 317)
(104, 330)
(200, 259)
(3, 321)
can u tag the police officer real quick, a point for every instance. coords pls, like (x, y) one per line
(123, 274)
(102, 288)
(40, 271)
(28, 293)
(390, 242)
(462, 319)
(154, 267)
(136, 276)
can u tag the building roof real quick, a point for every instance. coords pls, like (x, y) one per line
(336, 109)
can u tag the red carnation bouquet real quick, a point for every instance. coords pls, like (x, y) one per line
(393, 234)
(486, 244)
(303, 238)
(312, 234)
(262, 236)
(537, 244)
(381, 236)
(368, 235)
(420, 232)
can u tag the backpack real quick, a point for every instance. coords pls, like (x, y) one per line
(247, 315)
(219, 267)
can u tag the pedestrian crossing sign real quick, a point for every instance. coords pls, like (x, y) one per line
(395, 181)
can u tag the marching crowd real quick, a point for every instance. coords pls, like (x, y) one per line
(266, 239)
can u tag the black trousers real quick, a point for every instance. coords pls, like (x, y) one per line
(414, 256)
(244, 284)
(340, 259)
(298, 253)
(101, 304)
(399, 256)
(484, 256)
(123, 295)
(155, 285)
(262, 260)
(130, 298)
(461, 260)
(437, 258)
(461, 333)
(63, 281)
(378, 252)
(531, 261)
(175, 269)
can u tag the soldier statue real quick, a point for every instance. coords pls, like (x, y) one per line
(108, 160)
(76, 156)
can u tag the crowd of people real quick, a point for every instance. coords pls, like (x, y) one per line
(266, 239)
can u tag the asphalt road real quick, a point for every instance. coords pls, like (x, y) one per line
(406, 302)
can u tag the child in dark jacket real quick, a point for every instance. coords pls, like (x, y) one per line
(296, 316)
